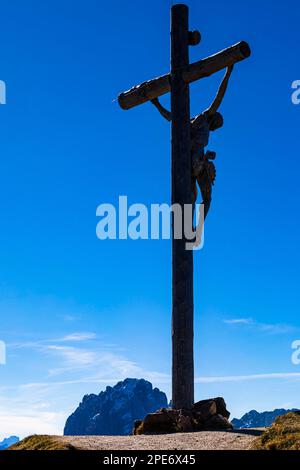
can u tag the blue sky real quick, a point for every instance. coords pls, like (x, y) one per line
(78, 313)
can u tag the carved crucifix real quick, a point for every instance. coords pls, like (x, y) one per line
(190, 162)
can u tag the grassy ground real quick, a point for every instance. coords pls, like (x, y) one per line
(42, 443)
(284, 434)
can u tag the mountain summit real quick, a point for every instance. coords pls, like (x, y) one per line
(254, 419)
(114, 411)
(9, 441)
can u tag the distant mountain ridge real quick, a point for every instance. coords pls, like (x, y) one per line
(9, 441)
(114, 411)
(254, 419)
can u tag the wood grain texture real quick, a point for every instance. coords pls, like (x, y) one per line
(203, 68)
(182, 259)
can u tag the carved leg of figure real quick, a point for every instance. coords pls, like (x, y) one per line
(206, 190)
(194, 197)
(198, 159)
(206, 203)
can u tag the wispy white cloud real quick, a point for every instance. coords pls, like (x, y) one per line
(76, 337)
(268, 328)
(82, 356)
(67, 317)
(70, 359)
(239, 321)
(24, 422)
(277, 328)
(83, 336)
(163, 378)
(73, 356)
(244, 378)
(30, 410)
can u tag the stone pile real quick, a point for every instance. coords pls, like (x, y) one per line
(205, 415)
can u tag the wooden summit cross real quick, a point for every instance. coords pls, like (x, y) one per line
(177, 82)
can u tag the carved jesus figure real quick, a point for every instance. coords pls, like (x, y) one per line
(203, 169)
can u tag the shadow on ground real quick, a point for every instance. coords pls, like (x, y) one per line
(249, 432)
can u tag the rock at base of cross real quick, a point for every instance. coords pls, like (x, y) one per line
(204, 415)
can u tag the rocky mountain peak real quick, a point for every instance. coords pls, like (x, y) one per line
(114, 411)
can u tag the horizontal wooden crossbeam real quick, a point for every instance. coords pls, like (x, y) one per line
(203, 68)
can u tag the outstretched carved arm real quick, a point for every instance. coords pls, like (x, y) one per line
(221, 92)
(163, 111)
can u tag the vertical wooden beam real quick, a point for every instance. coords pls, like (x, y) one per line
(182, 259)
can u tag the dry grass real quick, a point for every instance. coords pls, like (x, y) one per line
(42, 443)
(284, 434)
